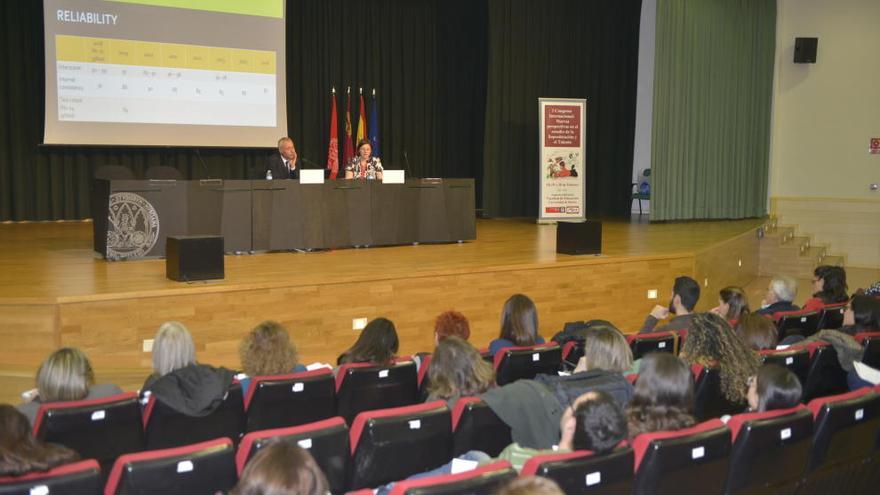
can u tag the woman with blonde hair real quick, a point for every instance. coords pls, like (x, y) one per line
(267, 350)
(457, 370)
(66, 375)
(178, 381)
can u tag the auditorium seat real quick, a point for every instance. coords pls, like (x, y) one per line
(709, 400)
(100, 429)
(165, 428)
(290, 400)
(804, 323)
(796, 359)
(692, 460)
(392, 444)
(871, 343)
(368, 386)
(770, 450)
(644, 343)
(476, 427)
(326, 440)
(206, 467)
(584, 472)
(78, 478)
(484, 480)
(845, 430)
(825, 376)
(832, 316)
(572, 352)
(515, 363)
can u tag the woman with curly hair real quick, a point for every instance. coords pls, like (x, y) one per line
(711, 342)
(829, 287)
(457, 370)
(664, 396)
(267, 350)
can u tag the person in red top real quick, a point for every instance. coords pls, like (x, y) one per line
(829, 287)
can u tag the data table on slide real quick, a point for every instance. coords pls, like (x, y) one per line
(116, 80)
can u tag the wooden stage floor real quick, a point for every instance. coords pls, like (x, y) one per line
(54, 290)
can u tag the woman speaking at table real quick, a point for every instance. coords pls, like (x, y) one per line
(364, 165)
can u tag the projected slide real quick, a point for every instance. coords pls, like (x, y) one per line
(165, 72)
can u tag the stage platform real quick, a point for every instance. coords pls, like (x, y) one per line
(55, 291)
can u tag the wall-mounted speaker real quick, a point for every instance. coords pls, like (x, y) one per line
(805, 50)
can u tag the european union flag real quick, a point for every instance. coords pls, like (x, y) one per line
(374, 127)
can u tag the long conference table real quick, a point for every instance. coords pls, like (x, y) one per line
(133, 218)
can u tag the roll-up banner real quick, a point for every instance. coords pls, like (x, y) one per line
(562, 129)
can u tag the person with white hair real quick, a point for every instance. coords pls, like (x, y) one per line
(779, 297)
(178, 381)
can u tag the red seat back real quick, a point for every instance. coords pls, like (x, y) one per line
(583, 472)
(484, 479)
(476, 427)
(368, 386)
(692, 460)
(78, 478)
(206, 467)
(326, 440)
(100, 429)
(391, 444)
(290, 400)
(514, 363)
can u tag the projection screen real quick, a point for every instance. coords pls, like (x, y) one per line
(165, 72)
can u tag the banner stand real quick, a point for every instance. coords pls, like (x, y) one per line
(562, 139)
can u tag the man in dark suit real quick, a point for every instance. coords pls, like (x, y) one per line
(283, 164)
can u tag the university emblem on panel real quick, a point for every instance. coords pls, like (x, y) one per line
(134, 226)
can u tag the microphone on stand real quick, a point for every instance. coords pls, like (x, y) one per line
(406, 159)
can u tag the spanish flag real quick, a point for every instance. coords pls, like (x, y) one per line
(362, 119)
(333, 148)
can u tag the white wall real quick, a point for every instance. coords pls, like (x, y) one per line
(824, 115)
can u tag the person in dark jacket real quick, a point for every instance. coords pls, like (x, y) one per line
(685, 294)
(780, 294)
(178, 381)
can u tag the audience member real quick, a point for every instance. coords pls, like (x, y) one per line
(711, 342)
(20, 452)
(780, 294)
(607, 358)
(685, 294)
(267, 350)
(594, 421)
(732, 303)
(757, 332)
(829, 287)
(532, 408)
(451, 324)
(282, 468)
(457, 370)
(862, 315)
(178, 381)
(519, 324)
(774, 387)
(531, 485)
(664, 396)
(377, 343)
(66, 375)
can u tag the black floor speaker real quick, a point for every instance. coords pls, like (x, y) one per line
(579, 237)
(194, 257)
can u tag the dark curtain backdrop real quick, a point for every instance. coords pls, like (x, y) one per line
(560, 49)
(429, 61)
